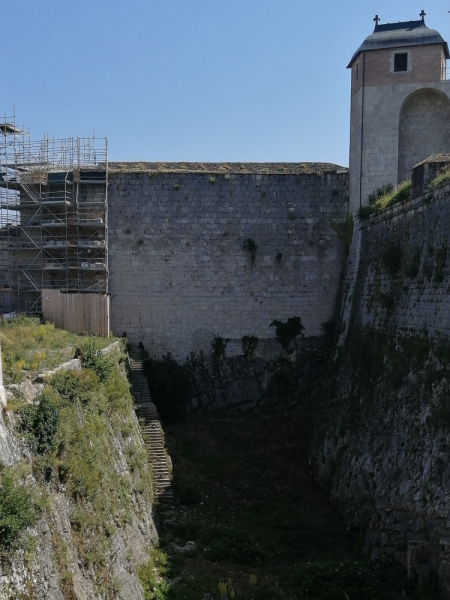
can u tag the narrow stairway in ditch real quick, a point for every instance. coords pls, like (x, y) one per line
(151, 432)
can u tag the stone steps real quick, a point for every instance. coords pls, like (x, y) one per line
(151, 433)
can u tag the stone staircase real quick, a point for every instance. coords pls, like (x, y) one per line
(151, 432)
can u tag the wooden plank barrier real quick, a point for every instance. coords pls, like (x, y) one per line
(77, 312)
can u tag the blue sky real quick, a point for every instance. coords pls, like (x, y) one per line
(196, 80)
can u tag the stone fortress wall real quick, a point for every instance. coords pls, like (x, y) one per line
(386, 447)
(403, 278)
(179, 273)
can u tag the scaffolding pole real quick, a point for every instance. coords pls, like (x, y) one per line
(53, 217)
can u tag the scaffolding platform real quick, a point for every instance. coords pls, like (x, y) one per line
(53, 217)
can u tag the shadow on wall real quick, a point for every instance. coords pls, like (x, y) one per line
(216, 381)
(267, 349)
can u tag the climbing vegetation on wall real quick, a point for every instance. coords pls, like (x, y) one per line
(397, 261)
(343, 229)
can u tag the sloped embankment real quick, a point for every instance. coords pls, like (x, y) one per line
(76, 497)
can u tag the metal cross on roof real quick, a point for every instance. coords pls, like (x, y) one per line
(377, 19)
(423, 14)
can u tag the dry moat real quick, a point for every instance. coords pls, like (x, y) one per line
(250, 521)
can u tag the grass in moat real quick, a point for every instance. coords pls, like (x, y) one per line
(261, 527)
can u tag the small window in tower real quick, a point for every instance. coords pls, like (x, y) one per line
(401, 62)
(357, 71)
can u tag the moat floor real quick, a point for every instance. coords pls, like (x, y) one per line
(250, 522)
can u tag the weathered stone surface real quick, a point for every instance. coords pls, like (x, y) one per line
(390, 475)
(42, 574)
(417, 296)
(178, 269)
(385, 453)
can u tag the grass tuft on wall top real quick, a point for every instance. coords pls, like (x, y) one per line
(384, 197)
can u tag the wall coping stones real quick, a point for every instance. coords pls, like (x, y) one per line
(304, 168)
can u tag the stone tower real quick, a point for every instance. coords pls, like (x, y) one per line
(400, 106)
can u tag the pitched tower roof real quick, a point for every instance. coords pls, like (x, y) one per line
(396, 35)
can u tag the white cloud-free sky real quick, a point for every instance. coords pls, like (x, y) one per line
(194, 80)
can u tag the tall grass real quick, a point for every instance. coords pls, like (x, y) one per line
(441, 178)
(29, 346)
(384, 197)
(80, 433)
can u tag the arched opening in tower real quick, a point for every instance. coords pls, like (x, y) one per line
(424, 129)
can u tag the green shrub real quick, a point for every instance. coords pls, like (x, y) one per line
(230, 545)
(380, 192)
(170, 386)
(364, 212)
(289, 331)
(17, 510)
(40, 422)
(218, 347)
(74, 384)
(73, 432)
(155, 588)
(249, 345)
(94, 359)
(375, 355)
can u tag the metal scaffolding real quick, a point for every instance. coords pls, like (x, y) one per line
(53, 217)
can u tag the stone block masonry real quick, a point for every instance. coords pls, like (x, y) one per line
(179, 273)
(385, 455)
(402, 124)
(403, 279)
